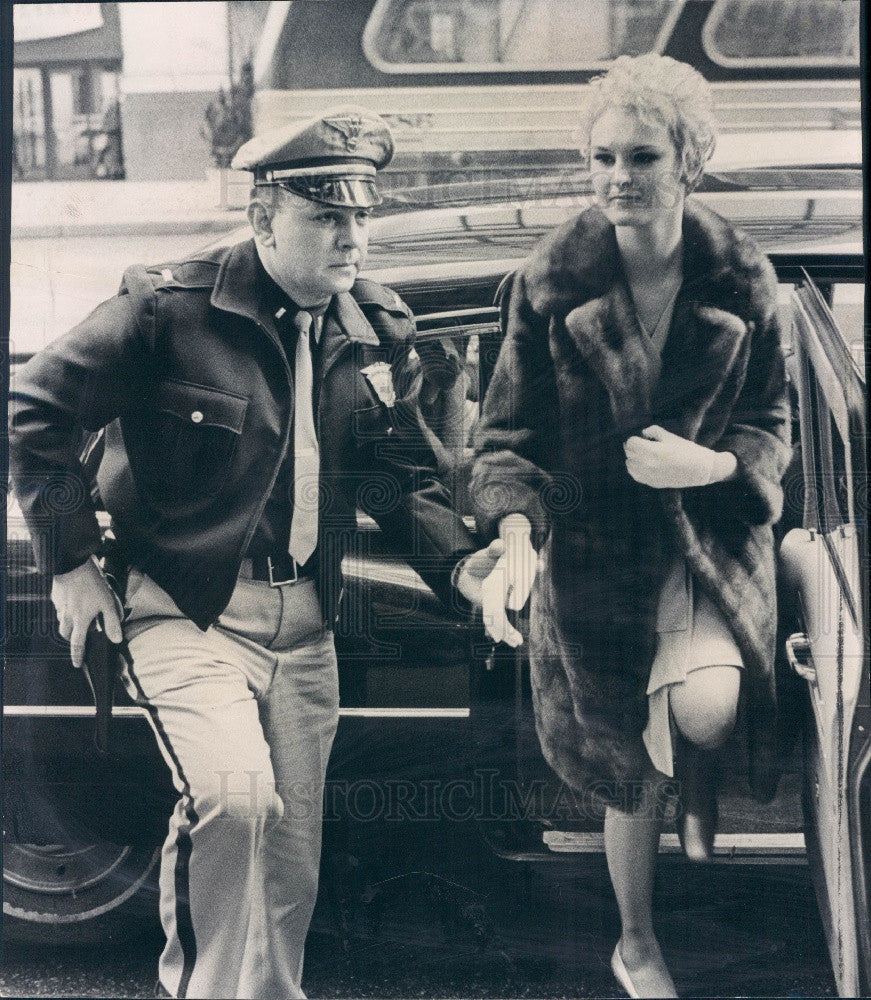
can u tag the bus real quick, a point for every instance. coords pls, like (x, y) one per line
(495, 86)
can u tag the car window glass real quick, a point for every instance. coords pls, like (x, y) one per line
(833, 396)
(407, 35)
(783, 32)
(848, 308)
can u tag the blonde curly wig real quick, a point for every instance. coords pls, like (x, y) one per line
(661, 89)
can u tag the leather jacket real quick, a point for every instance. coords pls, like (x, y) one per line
(185, 371)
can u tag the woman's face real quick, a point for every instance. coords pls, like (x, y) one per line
(635, 169)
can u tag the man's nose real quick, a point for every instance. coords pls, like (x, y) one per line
(352, 234)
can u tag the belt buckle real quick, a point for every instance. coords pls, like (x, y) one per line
(280, 583)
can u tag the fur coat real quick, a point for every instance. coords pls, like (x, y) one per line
(575, 377)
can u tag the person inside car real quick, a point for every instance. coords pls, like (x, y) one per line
(252, 398)
(646, 329)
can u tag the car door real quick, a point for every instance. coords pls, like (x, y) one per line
(824, 566)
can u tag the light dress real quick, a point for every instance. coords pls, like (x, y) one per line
(691, 631)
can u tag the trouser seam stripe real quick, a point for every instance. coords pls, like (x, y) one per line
(183, 849)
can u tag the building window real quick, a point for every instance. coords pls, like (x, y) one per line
(28, 123)
(409, 36)
(783, 33)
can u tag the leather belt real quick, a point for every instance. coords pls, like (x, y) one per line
(277, 571)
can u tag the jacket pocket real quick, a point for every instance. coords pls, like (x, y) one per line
(194, 432)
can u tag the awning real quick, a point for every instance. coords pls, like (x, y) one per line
(65, 33)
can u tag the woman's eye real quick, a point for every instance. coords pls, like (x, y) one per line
(646, 158)
(604, 158)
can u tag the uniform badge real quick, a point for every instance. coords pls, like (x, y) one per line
(380, 377)
(351, 127)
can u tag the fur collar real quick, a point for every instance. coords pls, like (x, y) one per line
(575, 277)
(579, 261)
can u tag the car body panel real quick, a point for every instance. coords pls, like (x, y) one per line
(824, 567)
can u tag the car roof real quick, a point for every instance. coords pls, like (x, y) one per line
(788, 208)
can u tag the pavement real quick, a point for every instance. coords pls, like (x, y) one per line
(52, 209)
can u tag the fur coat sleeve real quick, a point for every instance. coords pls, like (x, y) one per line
(513, 441)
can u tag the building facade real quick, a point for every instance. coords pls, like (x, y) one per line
(111, 90)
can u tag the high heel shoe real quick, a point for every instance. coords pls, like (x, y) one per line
(621, 973)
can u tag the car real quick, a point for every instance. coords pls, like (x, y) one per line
(435, 723)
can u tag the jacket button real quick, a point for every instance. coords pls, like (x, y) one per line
(197, 417)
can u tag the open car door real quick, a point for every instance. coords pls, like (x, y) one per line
(825, 571)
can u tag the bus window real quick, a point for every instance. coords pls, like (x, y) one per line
(783, 33)
(408, 36)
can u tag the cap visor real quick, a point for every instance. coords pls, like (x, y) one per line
(350, 192)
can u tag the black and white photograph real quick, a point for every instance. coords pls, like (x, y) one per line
(436, 553)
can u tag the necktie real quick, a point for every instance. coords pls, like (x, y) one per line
(306, 464)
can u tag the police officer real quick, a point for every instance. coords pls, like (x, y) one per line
(252, 398)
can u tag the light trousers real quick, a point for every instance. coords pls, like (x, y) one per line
(245, 716)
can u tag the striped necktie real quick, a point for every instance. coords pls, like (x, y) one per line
(306, 463)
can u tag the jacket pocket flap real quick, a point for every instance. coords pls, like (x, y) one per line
(201, 405)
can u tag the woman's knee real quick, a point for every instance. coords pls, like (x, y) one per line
(705, 705)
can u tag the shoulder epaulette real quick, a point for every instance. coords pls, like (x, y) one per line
(188, 274)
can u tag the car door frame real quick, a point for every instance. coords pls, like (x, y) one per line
(836, 401)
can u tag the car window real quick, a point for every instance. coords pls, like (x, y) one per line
(848, 309)
(832, 390)
(783, 33)
(413, 35)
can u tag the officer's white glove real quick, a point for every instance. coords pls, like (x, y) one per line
(78, 597)
(510, 582)
(474, 568)
(664, 460)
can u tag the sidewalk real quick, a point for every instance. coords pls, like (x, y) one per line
(51, 209)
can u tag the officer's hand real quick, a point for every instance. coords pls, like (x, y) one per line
(510, 582)
(475, 568)
(78, 597)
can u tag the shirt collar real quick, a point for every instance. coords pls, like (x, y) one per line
(280, 305)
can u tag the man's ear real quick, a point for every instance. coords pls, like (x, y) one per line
(261, 222)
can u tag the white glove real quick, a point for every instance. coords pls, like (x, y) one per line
(510, 582)
(664, 460)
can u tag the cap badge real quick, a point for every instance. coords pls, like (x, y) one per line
(350, 126)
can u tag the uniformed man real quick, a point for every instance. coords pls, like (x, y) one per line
(252, 398)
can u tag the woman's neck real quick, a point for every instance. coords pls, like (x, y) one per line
(646, 251)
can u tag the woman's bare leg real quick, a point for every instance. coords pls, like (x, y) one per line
(631, 847)
(704, 708)
(695, 770)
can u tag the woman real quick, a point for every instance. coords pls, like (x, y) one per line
(630, 454)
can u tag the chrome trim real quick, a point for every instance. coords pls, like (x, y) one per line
(132, 711)
(727, 845)
(798, 651)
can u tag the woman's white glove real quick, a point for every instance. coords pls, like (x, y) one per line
(510, 582)
(664, 460)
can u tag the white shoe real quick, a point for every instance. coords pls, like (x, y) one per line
(621, 974)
